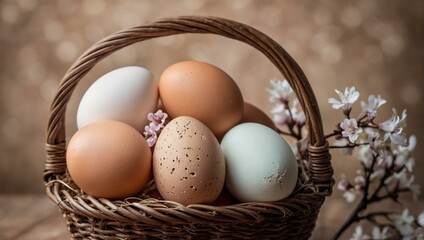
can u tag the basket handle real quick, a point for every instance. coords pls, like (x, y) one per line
(319, 159)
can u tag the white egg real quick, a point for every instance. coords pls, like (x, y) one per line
(260, 164)
(126, 94)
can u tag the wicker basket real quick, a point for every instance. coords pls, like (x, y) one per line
(140, 217)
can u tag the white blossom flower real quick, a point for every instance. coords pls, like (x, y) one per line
(384, 159)
(349, 196)
(380, 234)
(347, 98)
(358, 234)
(280, 91)
(393, 128)
(365, 155)
(404, 161)
(298, 116)
(350, 129)
(370, 110)
(280, 114)
(408, 184)
(412, 143)
(377, 174)
(404, 222)
(404, 157)
(421, 219)
(373, 140)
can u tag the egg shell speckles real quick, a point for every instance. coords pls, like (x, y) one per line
(188, 163)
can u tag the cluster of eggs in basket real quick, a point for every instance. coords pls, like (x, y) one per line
(214, 143)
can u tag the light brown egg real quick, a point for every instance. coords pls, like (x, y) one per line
(254, 114)
(202, 91)
(188, 163)
(109, 159)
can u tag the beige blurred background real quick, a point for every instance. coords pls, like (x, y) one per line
(377, 46)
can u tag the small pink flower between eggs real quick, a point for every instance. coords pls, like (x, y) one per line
(157, 122)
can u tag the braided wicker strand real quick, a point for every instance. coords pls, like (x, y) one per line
(142, 217)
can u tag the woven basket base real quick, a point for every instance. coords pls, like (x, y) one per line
(298, 227)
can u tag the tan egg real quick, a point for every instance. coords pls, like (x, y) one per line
(202, 91)
(188, 163)
(254, 114)
(109, 159)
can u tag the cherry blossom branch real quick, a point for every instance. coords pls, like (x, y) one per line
(333, 134)
(362, 204)
(384, 152)
(351, 145)
(372, 215)
(281, 132)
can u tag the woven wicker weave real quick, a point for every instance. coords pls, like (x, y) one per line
(141, 217)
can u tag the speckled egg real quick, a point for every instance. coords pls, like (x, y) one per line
(188, 163)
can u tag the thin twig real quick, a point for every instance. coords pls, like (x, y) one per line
(335, 133)
(350, 145)
(361, 206)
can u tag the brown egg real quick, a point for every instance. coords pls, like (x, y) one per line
(254, 114)
(109, 159)
(202, 91)
(188, 163)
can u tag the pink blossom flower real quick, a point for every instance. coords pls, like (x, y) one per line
(344, 185)
(359, 184)
(350, 129)
(393, 128)
(157, 122)
(151, 135)
(370, 109)
(280, 91)
(347, 98)
(403, 223)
